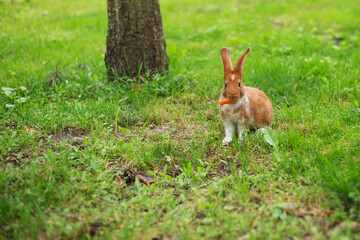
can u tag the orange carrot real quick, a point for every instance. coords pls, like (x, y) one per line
(226, 101)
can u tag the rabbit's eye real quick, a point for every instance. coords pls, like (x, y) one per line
(225, 85)
(239, 84)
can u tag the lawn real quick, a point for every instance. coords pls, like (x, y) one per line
(81, 157)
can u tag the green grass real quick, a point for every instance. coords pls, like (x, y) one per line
(69, 136)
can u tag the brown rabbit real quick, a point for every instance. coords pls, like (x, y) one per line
(252, 108)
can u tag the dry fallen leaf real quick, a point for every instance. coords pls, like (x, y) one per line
(42, 236)
(137, 88)
(312, 211)
(29, 130)
(351, 225)
(118, 180)
(246, 236)
(255, 196)
(309, 211)
(123, 99)
(269, 200)
(146, 180)
(52, 79)
(328, 212)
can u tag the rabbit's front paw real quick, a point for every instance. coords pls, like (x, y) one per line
(226, 141)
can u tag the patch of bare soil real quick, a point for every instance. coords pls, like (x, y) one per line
(192, 130)
(74, 136)
(16, 157)
(128, 175)
(170, 130)
(160, 130)
(68, 133)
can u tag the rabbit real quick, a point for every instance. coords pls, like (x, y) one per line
(252, 108)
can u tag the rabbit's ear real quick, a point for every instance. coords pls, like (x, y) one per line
(225, 55)
(240, 62)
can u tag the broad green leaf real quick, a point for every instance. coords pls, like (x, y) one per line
(269, 136)
(9, 105)
(123, 130)
(8, 91)
(144, 125)
(21, 100)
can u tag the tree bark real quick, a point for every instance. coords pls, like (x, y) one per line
(135, 42)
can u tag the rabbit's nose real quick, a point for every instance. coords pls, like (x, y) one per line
(233, 95)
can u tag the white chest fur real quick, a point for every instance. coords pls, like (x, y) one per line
(237, 111)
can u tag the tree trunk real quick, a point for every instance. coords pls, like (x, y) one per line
(135, 41)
